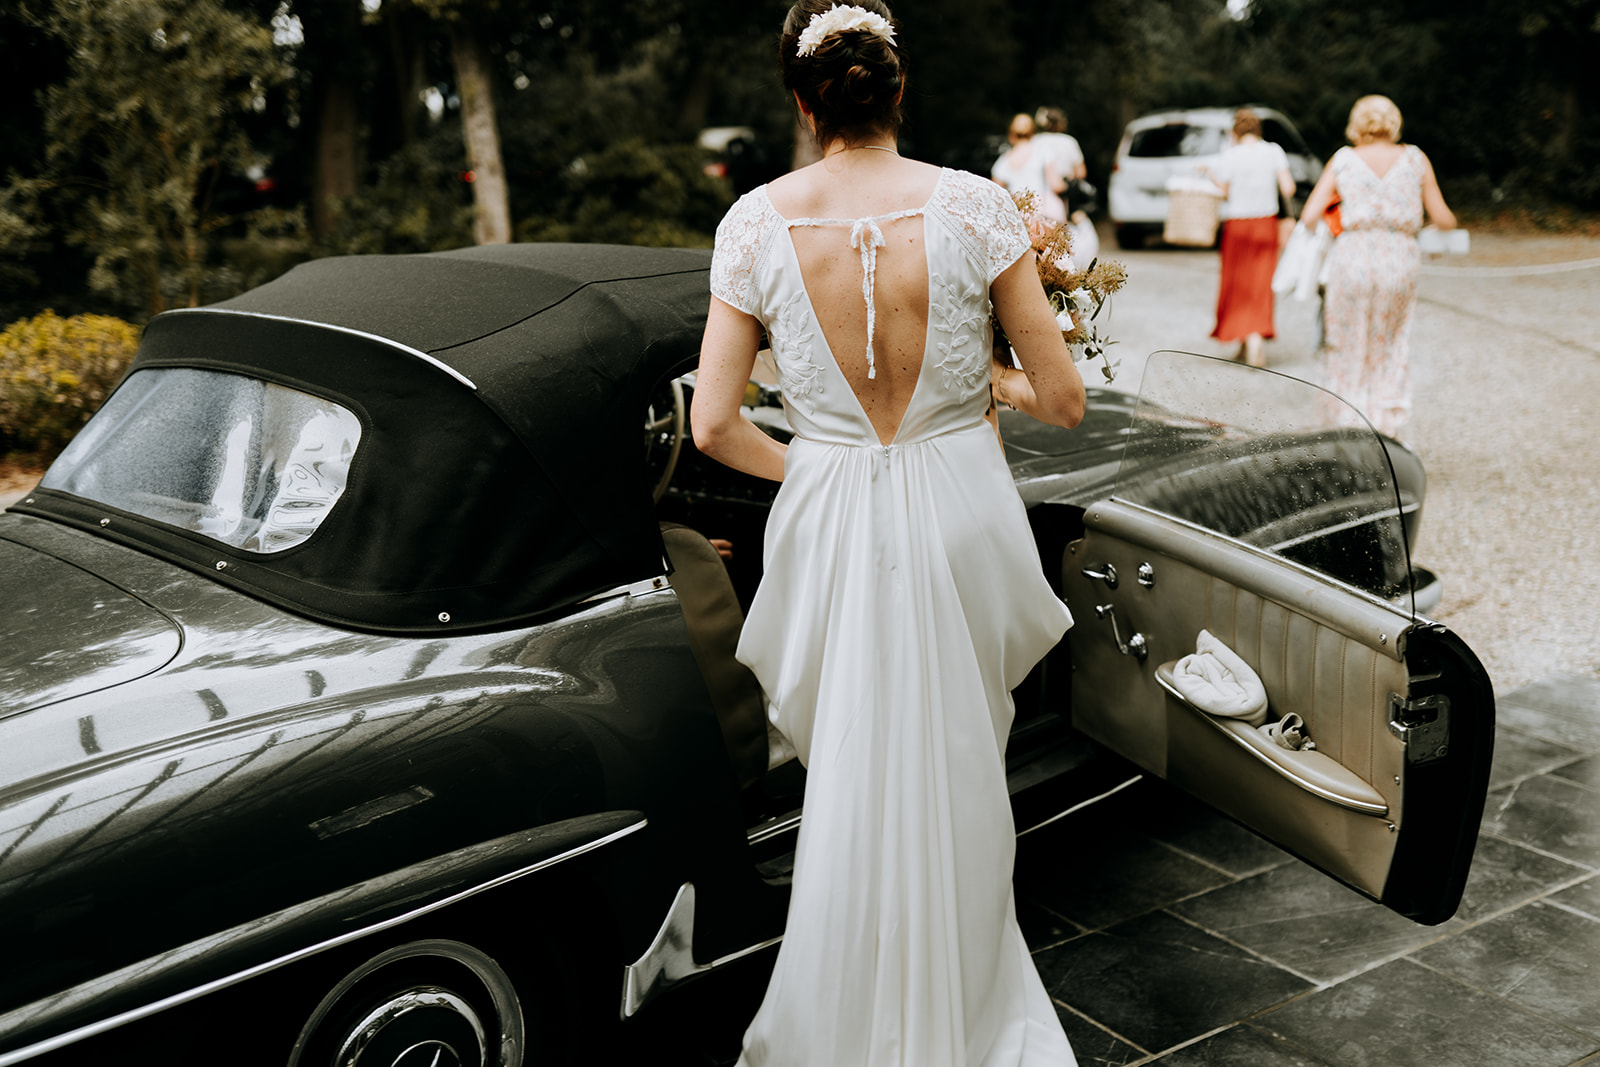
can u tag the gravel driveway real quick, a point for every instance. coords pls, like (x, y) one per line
(1505, 356)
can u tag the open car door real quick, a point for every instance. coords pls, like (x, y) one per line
(1266, 511)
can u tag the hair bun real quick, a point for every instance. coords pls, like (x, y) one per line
(858, 83)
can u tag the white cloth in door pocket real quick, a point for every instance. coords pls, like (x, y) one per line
(1214, 679)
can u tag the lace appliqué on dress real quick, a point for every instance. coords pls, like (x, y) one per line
(742, 243)
(984, 219)
(798, 370)
(963, 359)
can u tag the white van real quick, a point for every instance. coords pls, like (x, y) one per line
(1168, 144)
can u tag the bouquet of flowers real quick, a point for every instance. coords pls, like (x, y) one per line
(1076, 294)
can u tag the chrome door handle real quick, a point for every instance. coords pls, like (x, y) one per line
(1135, 646)
(1107, 574)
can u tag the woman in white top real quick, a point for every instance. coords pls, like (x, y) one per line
(901, 599)
(1252, 172)
(1032, 167)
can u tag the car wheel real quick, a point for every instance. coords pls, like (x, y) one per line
(1130, 237)
(423, 1004)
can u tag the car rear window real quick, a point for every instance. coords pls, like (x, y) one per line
(1274, 131)
(1176, 139)
(247, 463)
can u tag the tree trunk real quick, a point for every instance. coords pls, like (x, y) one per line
(696, 101)
(491, 213)
(333, 174)
(406, 55)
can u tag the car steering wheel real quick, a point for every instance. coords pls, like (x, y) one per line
(663, 436)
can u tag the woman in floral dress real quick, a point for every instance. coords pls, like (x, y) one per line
(1382, 187)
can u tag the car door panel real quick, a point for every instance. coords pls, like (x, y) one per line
(1333, 656)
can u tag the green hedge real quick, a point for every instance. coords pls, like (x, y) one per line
(54, 373)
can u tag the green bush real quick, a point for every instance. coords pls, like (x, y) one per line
(54, 373)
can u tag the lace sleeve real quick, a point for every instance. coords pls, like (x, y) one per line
(741, 246)
(986, 220)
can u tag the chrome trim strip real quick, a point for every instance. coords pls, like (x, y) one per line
(132, 1015)
(1362, 806)
(669, 961)
(639, 588)
(1312, 572)
(780, 824)
(1080, 805)
(391, 342)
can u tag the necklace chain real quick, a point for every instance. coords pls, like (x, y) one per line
(874, 147)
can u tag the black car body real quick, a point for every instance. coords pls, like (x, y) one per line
(346, 668)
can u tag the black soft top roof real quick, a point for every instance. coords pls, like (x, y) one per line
(502, 392)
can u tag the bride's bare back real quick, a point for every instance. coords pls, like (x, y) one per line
(849, 186)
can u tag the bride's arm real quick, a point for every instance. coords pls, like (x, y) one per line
(727, 356)
(1048, 386)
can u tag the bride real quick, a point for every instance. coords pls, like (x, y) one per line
(896, 612)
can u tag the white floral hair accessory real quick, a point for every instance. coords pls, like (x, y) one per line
(838, 19)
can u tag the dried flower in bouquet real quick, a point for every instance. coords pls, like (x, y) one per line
(1076, 294)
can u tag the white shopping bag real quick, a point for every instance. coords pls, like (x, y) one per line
(1436, 242)
(1300, 267)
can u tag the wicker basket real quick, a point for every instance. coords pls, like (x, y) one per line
(1191, 218)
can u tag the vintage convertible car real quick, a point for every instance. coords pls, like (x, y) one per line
(367, 691)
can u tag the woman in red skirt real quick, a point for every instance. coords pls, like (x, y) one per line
(1252, 173)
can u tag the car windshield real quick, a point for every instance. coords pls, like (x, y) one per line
(1176, 139)
(253, 465)
(1275, 463)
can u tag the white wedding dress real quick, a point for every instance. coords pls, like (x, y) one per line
(902, 601)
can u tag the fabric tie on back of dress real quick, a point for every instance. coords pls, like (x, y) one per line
(867, 236)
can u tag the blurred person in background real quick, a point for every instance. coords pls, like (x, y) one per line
(1028, 167)
(1251, 173)
(1064, 151)
(1382, 187)
(1051, 135)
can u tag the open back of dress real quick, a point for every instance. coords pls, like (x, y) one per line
(902, 601)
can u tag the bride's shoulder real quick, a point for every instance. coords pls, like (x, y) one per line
(748, 220)
(983, 218)
(752, 204)
(967, 185)
(970, 196)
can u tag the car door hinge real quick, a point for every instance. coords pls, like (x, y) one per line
(1423, 723)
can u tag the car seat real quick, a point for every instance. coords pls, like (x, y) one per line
(711, 612)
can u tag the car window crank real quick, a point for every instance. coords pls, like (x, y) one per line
(1136, 646)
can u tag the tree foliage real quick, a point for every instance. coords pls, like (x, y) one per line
(140, 132)
(135, 121)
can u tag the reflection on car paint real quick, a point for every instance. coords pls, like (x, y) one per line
(304, 774)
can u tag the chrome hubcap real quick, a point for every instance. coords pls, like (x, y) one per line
(425, 1026)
